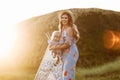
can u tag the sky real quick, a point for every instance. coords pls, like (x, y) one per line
(14, 11)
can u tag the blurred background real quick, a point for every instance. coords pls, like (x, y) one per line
(22, 47)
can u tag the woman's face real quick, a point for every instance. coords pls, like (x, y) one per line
(64, 19)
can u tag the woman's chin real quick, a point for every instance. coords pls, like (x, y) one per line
(64, 23)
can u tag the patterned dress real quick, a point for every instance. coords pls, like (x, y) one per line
(65, 70)
(70, 57)
(47, 70)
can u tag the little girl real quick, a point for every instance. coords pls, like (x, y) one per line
(54, 41)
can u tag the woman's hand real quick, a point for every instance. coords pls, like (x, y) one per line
(51, 47)
(54, 47)
(60, 46)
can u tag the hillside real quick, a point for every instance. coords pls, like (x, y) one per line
(91, 22)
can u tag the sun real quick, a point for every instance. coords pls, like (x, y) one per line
(7, 41)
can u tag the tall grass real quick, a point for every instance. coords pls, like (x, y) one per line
(104, 72)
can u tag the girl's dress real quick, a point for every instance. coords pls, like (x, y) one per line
(47, 70)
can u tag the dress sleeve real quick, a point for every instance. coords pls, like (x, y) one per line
(49, 41)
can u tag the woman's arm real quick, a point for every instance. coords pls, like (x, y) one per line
(60, 46)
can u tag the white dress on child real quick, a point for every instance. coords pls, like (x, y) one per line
(47, 70)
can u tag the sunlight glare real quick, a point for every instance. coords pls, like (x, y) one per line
(111, 40)
(7, 40)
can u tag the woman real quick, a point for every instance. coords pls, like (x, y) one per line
(70, 33)
(65, 70)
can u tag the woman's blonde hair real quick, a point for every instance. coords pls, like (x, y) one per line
(71, 21)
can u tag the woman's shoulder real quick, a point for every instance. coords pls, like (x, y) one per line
(75, 25)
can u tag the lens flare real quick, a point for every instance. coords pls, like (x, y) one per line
(111, 40)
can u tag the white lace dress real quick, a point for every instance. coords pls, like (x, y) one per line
(47, 70)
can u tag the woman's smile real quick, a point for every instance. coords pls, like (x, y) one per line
(64, 19)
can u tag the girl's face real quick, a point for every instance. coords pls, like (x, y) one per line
(56, 37)
(64, 19)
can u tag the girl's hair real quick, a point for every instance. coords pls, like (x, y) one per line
(54, 34)
(70, 23)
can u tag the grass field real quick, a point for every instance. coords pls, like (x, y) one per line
(16, 75)
(109, 71)
(23, 75)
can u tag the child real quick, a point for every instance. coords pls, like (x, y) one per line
(54, 41)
